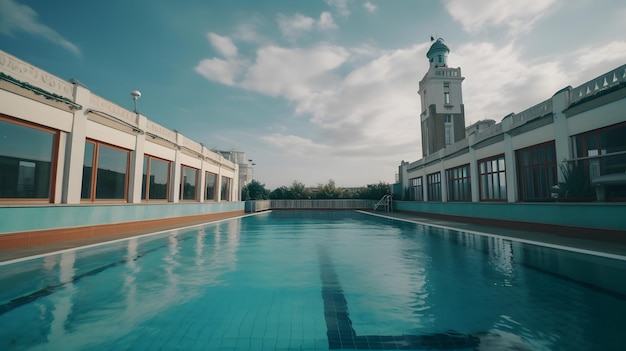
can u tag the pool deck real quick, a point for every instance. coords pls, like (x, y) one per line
(583, 244)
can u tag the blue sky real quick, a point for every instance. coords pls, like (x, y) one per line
(314, 90)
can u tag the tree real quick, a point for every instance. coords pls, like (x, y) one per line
(328, 191)
(254, 191)
(299, 191)
(376, 191)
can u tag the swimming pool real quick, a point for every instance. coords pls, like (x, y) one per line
(313, 281)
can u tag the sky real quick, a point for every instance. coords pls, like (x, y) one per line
(314, 90)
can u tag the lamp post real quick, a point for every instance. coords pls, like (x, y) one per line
(136, 94)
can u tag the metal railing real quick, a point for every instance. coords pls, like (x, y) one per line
(330, 204)
(386, 203)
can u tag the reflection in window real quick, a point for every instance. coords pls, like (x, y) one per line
(26, 160)
(433, 181)
(459, 187)
(189, 183)
(225, 194)
(156, 178)
(416, 191)
(210, 186)
(492, 179)
(537, 171)
(107, 168)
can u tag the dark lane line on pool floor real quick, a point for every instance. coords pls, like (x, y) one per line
(341, 334)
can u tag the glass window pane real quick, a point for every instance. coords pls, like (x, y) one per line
(111, 176)
(159, 179)
(225, 188)
(143, 179)
(502, 185)
(501, 166)
(189, 184)
(25, 161)
(210, 186)
(85, 192)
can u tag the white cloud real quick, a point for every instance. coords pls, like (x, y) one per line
(341, 6)
(499, 81)
(295, 145)
(249, 32)
(21, 18)
(326, 21)
(614, 51)
(293, 74)
(219, 70)
(518, 16)
(222, 44)
(291, 27)
(370, 7)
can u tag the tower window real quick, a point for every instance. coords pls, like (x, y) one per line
(449, 130)
(440, 58)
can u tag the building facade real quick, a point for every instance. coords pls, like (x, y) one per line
(245, 165)
(529, 156)
(62, 145)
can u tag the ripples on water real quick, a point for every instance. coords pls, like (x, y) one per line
(254, 283)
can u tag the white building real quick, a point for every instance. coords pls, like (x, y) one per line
(521, 158)
(61, 144)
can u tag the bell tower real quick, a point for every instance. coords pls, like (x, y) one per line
(443, 115)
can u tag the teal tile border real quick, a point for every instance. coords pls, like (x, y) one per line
(585, 215)
(27, 218)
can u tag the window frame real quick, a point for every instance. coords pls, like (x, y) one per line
(206, 188)
(94, 172)
(459, 183)
(540, 169)
(182, 184)
(416, 188)
(225, 192)
(145, 195)
(489, 173)
(54, 156)
(433, 186)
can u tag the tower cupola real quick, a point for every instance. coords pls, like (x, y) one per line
(438, 54)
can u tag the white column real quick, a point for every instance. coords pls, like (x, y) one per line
(75, 149)
(176, 169)
(474, 177)
(136, 163)
(509, 161)
(562, 144)
(444, 179)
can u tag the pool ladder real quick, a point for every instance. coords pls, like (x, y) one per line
(385, 203)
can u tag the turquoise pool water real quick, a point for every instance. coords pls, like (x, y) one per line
(313, 281)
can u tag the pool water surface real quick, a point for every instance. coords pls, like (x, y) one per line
(313, 280)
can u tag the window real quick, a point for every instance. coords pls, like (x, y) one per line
(446, 98)
(189, 183)
(27, 160)
(492, 179)
(210, 186)
(225, 194)
(449, 130)
(459, 187)
(416, 189)
(105, 166)
(606, 143)
(155, 183)
(537, 171)
(434, 186)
